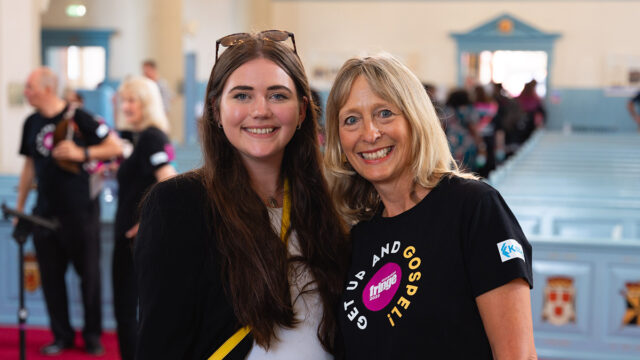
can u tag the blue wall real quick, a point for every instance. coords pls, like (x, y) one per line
(589, 109)
(99, 102)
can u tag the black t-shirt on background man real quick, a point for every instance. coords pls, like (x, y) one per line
(152, 150)
(59, 191)
(414, 277)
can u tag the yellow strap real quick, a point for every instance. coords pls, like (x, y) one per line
(236, 338)
(286, 212)
(230, 344)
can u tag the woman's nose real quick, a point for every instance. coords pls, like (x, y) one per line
(371, 131)
(261, 108)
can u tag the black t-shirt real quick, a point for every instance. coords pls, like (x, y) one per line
(152, 150)
(414, 277)
(636, 99)
(59, 191)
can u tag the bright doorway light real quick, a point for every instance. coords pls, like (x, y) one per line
(511, 68)
(79, 67)
(515, 68)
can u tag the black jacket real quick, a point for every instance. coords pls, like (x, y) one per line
(184, 311)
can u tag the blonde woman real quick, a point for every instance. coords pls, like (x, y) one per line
(142, 113)
(440, 267)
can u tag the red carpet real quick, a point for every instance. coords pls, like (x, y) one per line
(38, 337)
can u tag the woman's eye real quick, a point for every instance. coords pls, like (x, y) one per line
(241, 96)
(278, 96)
(350, 120)
(385, 113)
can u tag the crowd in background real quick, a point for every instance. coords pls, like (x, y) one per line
(484, 124)
(485, 127)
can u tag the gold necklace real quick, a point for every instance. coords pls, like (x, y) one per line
(272, 202)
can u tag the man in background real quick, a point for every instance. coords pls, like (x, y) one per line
(150, 70)
(57, 140)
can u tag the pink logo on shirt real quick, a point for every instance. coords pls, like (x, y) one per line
(382, 287)
(170, 152)
(47, 141)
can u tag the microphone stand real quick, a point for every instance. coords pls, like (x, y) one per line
(23, 229)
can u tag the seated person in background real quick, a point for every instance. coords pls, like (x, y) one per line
(510, 118)
(460, 123)
(532, 105)
(432, 91)
(488, 130)
(631, 106)
(315, 96)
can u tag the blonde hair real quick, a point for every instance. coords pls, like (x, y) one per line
(431, 158)
(148, 93)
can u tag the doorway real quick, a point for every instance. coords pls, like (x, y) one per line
(79, 57)
(511, 68)
(505, 50)
(79, 67)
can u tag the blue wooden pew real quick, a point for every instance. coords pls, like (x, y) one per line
(577, 199)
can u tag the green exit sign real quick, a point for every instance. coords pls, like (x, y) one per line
(76, 10)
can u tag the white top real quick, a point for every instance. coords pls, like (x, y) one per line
(302, 341)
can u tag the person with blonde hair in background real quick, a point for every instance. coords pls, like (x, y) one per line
(149, 161)
(440, 267)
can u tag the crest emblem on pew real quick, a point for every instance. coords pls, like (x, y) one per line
(559, 301)
(632, 297)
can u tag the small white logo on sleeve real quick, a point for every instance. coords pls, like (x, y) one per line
(159, 158)
(510, 249)
(102, 130)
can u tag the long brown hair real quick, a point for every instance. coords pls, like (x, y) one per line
(254, 261)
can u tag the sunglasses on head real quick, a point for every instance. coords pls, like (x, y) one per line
(271, 35)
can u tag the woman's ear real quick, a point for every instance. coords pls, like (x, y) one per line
(303, 109)
(212, 103)
(215, 114)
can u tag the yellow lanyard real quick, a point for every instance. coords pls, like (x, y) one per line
(230, 344)
(236, 338)
(286, 212)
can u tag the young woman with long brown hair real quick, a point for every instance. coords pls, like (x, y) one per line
(251, 240)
